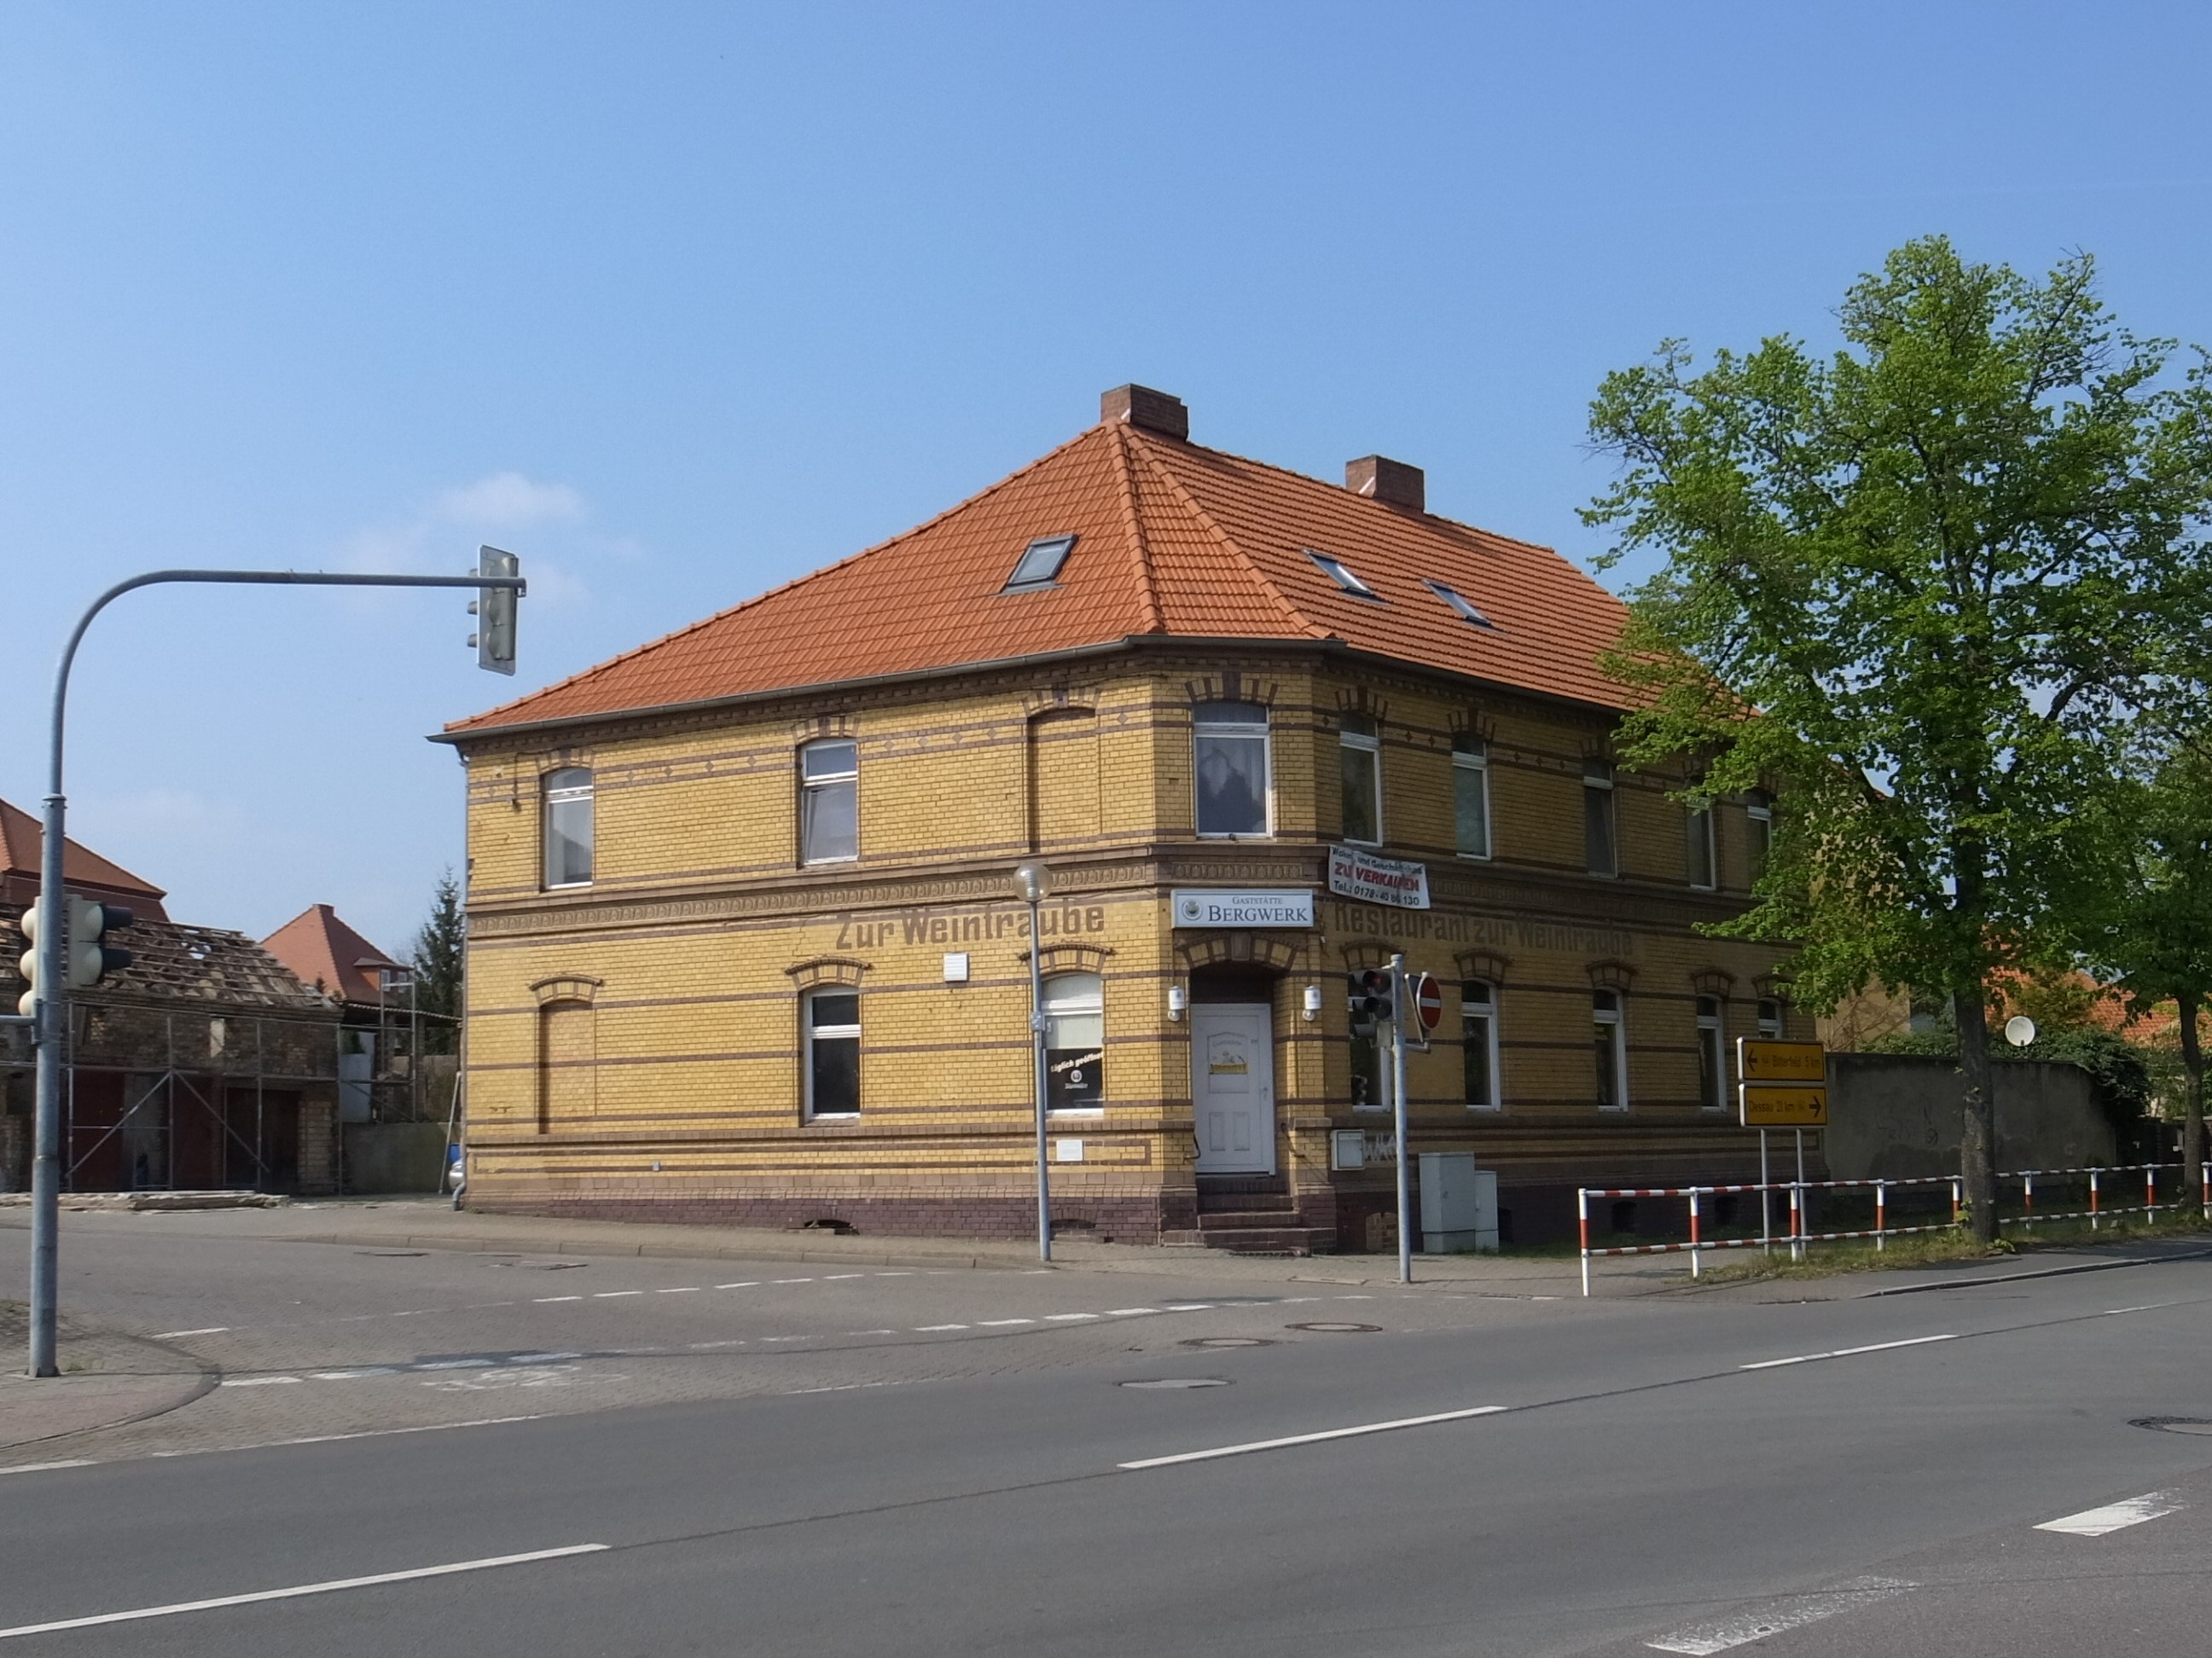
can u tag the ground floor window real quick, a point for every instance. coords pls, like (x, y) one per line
(1478, 1012)
(832, 1020)
(1075, 1042)
(1612, 1051)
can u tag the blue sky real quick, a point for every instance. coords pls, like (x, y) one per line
(680, 302)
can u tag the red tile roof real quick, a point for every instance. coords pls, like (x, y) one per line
(22, 839)
(322, 950)
(1174, 541)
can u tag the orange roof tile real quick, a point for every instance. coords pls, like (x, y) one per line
(22, 839)
(322, 950)
(1175, 540)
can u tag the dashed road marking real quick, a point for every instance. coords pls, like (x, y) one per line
(2113, 1517)
(611, 1295)
(832, 1278)
(681, 1289)
(1067, 1318)
(1702, 1639)
(1312, 1438)
(791, 1280)
(177, 1335)
(1845, 1352)
(999, 1323)
(750, 1284)
(546, 1301)
(1128, 1312)
(928, 1329)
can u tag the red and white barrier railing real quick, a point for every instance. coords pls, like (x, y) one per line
(1796, 1237)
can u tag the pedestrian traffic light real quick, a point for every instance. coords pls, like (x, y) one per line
(495, 611)
(89, 959)
(1374, 999)
(27, 962)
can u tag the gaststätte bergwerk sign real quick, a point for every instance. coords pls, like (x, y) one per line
(1223, 907)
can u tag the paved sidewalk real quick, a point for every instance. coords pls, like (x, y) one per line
(107, 1380)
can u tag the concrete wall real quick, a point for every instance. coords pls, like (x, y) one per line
(394, 1156)
(1894, 1116)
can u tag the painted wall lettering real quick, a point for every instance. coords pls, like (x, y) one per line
(923, 927)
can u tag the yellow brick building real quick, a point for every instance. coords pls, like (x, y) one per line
(745, 945)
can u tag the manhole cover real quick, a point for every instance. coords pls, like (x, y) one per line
(1336, 1329)
(1229, 1341)
(1167, 1383)
(2175, 1425)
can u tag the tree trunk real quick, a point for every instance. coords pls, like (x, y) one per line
(1977, 1132)
(2192, 1059)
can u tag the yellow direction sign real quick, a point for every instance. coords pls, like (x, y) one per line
(1785, 1105)
(1760, 1061)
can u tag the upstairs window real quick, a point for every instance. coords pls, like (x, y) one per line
(1075, 1042)
(829, 802)
(1470, 795)
(1704, 863)
(1770, 1018)
(1340, 573)
(1039, 564)
(1461, 605)
(1612, 1050)
(1478, 1017)
(1713, 1055)
(567, 816)
(1758, 817)
(1359, 762)
(1601, 846)
(832, 1020)
(1229, 767)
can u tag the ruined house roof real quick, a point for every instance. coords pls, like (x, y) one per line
(176, 962)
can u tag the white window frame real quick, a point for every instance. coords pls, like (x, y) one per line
(811, 785)
(1702, 821)
(1259, 728)
(1712, 1051)
(552, 796)
(1758, 813)
(808, 1032)
(1485, 1014)
(1616, 1017)
(1093, 1004)
(1475, 760)
(1368, 742)
(1598, 780)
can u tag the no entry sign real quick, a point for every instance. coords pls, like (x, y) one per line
(1428, 1001)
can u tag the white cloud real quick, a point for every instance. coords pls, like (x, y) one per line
(509, 499)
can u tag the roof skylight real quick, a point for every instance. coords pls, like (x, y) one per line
(1039, 562)
(1460, 602)
(1340, 573)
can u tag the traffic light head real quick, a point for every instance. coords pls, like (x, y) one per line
(495, 611)
(1372, 999)
(89, 957)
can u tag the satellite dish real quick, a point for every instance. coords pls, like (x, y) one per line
(2019, 1030)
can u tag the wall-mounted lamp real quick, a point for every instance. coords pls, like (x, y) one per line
(1313, 1002)
(1178, 999)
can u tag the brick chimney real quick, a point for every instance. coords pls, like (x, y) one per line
(1140, 405)
(1390, 481)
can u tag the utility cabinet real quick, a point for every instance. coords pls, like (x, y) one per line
(1458, 1204)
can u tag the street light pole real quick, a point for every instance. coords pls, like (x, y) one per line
(1032, 880)
(50, 1012)
(1398, 1110)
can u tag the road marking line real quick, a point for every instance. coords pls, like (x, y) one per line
(1314, 1438)
(998, 1323)
(831, 1277)
(40, 1467)
(871, 1333)
(330, 1587)
(706, 1347)
(682, 1289)
(767, 1338)
(2148, 1306)
(2113, 1517)
(610, 1295)
(750, 1284)
(1202, 1306)
(354, 1375)
(894, 1275)
(542, 1300)
(174, 1335)
(1128, 1312)
(1702, 1639)
(791, 1280)
(924, 1329)
(1067, 1318)
(541, 1358)
(1845, 1352)
(452, 1364)
(255, 1380)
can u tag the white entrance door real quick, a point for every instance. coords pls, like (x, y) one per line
(1232, 1085)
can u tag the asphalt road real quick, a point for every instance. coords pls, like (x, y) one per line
(1600, 1478)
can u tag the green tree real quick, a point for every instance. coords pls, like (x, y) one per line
(1916, 587)
(438, 964)
(2150, 926)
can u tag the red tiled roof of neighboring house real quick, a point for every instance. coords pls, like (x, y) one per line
(22, 839)
(322, 950)
(1174, 541)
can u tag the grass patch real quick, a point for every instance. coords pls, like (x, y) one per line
(1947, 1249)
